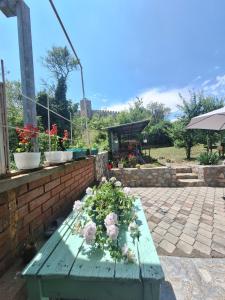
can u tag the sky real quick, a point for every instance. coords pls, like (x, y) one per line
(154, 49)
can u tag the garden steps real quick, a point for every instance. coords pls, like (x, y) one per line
(183, 170)
(190, 182)
(186, 176)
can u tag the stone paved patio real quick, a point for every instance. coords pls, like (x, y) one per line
(193, 278)
(186, 221)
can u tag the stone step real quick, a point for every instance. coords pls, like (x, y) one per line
(183, 170)
(186, 176)
(190, 182)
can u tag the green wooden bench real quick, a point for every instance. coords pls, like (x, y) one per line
(66, 268)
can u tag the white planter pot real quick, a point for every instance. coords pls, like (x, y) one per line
(27, 160)
(120, 166)
(68, 155)
(54, 157)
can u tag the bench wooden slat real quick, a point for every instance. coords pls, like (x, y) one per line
(37, 262)
(63, 256)
(149, 260)
(128, 270)
(93, 263)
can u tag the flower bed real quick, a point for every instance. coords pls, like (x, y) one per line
(103, 213)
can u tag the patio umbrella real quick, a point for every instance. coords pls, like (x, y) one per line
(213, 120)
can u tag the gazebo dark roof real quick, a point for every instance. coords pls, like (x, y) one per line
(129, 128)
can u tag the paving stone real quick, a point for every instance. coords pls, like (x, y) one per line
(188, 239)
(160, 230)
(204, 240)
(178, 225)
(167, 246)
(202, 248)
(171, 238)
(186, 248)
(156, 237)
(184, 216)
(219, 232)
(151, 225)
(154, 219)
(175, 231)
(219, 248)
(219, 239)
(164, 225)
(205, 233)
(190, 232)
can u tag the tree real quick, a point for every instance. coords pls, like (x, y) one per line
(60, 62)
(158, 112)
(182, 137)
(195, 105)
(14, 111)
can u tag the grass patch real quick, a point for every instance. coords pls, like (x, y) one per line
(174, 155)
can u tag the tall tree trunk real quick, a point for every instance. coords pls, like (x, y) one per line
(188, 152)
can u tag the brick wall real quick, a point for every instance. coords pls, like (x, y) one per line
(29, 207)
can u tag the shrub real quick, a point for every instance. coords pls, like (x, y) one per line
(208, 158)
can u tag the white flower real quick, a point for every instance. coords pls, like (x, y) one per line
(89, 232)
(126, 190)
(133, 226)
(111, 219)
(104, 180)
(89, 191)
(125, 250)
(112, 232)
(112, 179)
(77, 206)
(118, 183)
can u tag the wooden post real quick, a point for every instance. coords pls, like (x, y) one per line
(19, 8)
(4, 153)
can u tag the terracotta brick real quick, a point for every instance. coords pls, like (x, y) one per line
(27, 197)
(22, 189)
(3, 209)
(22, 211)
(3, 198)
(69, 182)
(47, 216)
(65, 178)
(50, 202)
(39, 201)
(58, 189)
(49, 186)
(32, 215)
(36, 223)
(37, 183)
(64, 192)
(57, 175)
(4, 236)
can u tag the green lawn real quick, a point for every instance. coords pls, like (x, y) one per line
(174, 155)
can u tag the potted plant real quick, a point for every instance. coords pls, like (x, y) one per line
(54, 156)
(24, 158)
(68, 155)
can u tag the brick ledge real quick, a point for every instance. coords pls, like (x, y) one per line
(18, 180)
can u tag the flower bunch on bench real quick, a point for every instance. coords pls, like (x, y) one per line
(106, 212)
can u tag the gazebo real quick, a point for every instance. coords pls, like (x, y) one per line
(125, 138)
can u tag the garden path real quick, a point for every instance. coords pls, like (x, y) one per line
(186, 221)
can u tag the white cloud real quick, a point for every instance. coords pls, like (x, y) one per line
(217, 87)
(168, 97)
(205, 83)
